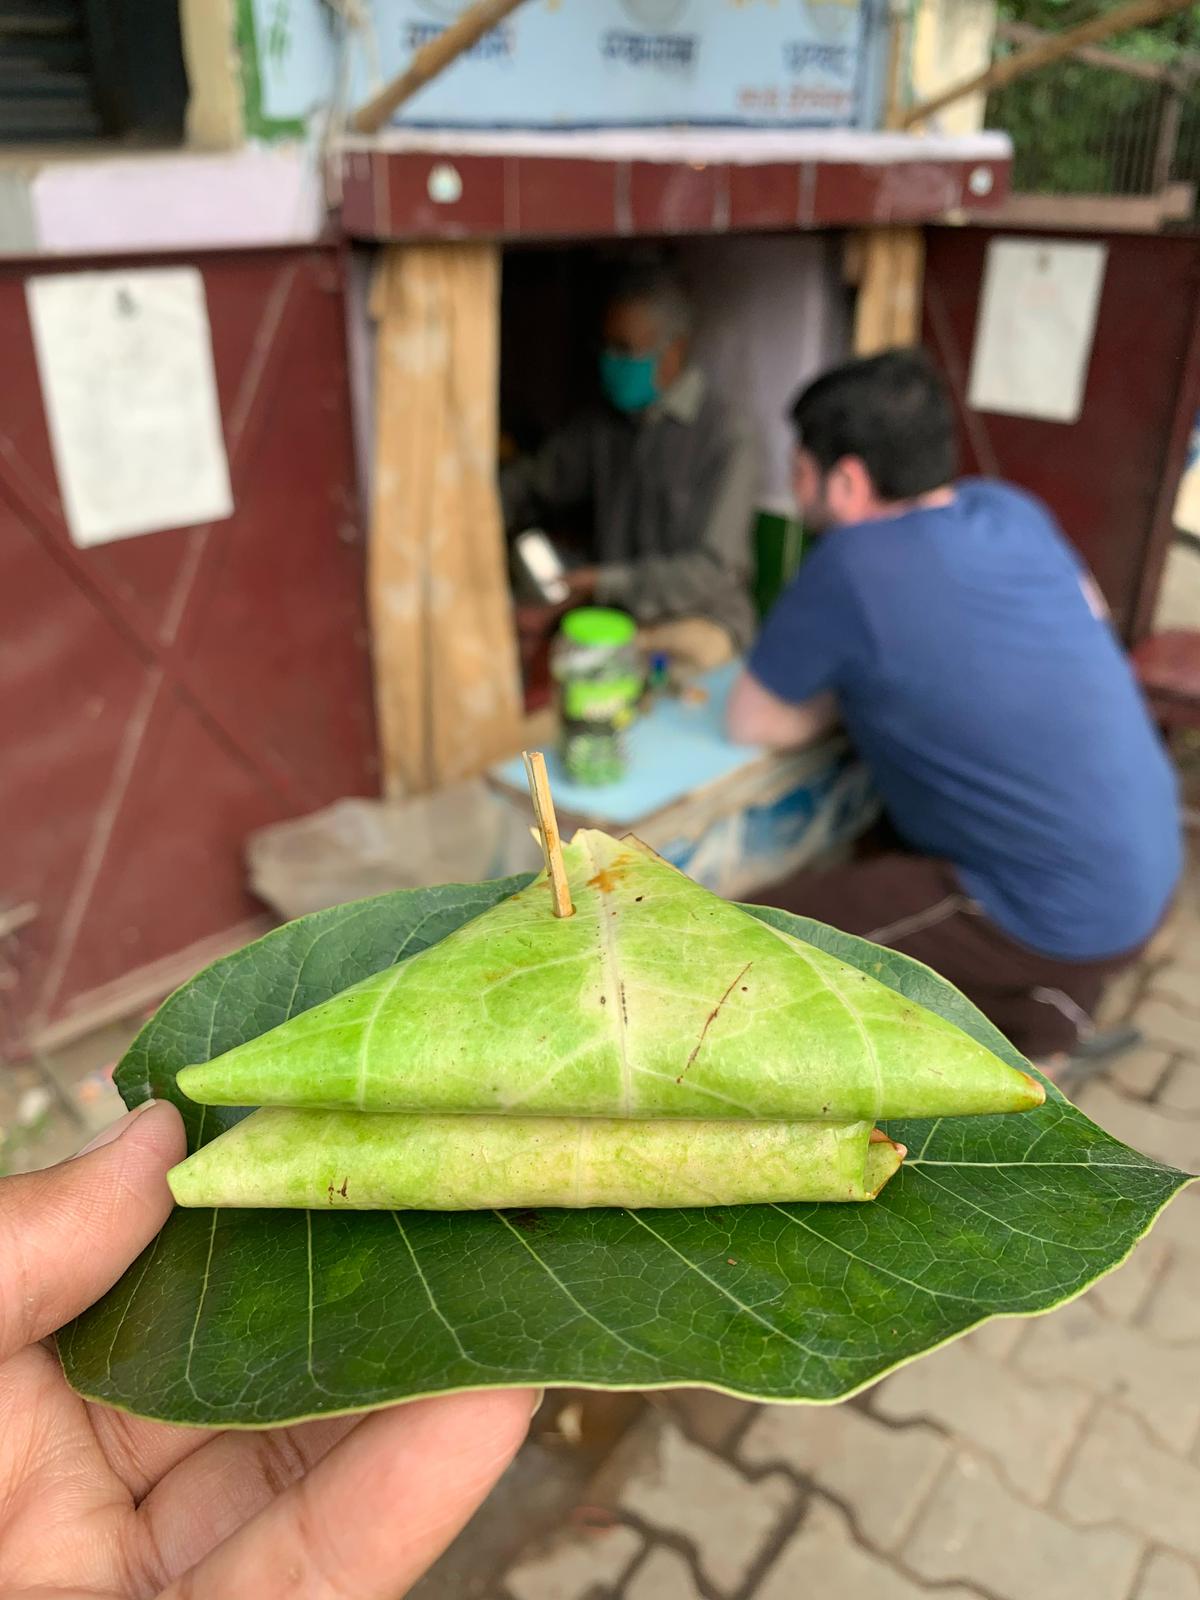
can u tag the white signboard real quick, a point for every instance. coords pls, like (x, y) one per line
(595, 63)
(125, 360)
(1037, 319)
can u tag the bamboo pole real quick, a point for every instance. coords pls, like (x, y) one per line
(430, 60)
(1170, 115)
(1105, 60)
(1134, 14)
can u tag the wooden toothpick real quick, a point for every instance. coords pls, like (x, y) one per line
(543, 810)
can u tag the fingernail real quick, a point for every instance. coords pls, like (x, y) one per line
(115, 1129)
(538, 1396)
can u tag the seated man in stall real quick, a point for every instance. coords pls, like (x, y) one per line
(964, 646)
(665, 479)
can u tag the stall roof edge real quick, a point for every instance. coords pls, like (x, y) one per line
(410, 184)
(731, 145)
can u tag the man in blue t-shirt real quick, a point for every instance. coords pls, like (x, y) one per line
(964, 646)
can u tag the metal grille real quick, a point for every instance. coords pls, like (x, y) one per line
(1079, 130)
(1099, 123)
(46, 72)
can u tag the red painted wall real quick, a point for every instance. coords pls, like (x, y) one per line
(1111, 476)
(164, 695)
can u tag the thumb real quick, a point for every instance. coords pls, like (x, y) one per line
(68, 1233)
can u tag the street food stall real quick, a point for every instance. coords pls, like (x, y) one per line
(331, 621)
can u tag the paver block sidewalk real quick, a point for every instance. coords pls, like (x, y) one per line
(1159, 1383)
(824, 1559)
(662, 1480)
(976, 1530)
(664, 1575)
(1122, 1476)
(1167, 1576)
(840, 1448)
(1026, 1427)
(573, 1564)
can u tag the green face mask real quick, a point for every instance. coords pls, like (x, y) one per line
(629, 382)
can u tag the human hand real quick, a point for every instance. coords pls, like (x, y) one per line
(582, 581)
(96, 1503)
(534, 622)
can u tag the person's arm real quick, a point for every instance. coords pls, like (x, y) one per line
(686, 584)
(756, 716)
(788, 695)
(556, 480)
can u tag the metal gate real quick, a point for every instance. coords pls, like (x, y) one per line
(164, 695)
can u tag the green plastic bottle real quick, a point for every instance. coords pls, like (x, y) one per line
(598, 668)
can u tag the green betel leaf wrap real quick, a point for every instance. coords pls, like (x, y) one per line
(656, 999)
(345, 1160)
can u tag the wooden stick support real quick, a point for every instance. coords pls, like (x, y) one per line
(430, 60)
(543, 810)
(1050, 47)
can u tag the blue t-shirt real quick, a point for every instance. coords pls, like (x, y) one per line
(1002, 724)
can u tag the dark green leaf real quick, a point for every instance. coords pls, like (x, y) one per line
(255, 1317)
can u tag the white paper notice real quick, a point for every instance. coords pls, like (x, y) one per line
(125, 360)
(1037, 319)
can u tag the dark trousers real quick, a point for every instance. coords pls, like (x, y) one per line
(915, 904)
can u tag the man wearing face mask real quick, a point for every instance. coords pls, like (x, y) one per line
(665, 476)
(963, 644)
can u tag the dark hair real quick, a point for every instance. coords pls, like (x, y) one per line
(892, 411)
(655, 284)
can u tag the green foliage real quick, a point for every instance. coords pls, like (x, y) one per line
(1077, 128)
(1162, 42)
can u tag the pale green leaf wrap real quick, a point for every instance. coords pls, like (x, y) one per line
(656, 999)
(336, 1160)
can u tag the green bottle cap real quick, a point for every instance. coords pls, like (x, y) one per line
(599, 626)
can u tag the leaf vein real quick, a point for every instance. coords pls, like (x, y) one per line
(578, 1304)
(721, 1289)
(191, 1348)
(360, 1087)
(433, 1305)
(869, 1050)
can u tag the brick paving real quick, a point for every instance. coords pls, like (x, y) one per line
(1053, 1458)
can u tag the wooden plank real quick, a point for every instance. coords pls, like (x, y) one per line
(1165, 145)
(1096, 213)
(216, 106)
(891, 273)
(143, 987)
(1161, 534)
(445, 656)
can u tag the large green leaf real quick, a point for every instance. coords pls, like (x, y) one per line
(255, 1318)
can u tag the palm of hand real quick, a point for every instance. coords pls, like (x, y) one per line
(95, 1503)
